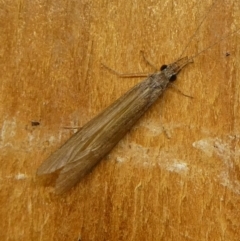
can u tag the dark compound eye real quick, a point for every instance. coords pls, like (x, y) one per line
(173, 77)
(163, 67)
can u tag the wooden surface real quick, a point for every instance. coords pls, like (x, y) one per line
(176, 175)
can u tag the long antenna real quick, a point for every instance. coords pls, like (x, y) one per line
(218, 41)
(191, 38)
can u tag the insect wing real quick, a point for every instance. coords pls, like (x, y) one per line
(91, 143)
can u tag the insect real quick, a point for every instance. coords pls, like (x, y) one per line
(90, 144)
(83, 151)
(35, 123)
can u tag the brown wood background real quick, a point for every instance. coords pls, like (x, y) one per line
(176, 175)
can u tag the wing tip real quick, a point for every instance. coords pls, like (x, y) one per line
(65, 182)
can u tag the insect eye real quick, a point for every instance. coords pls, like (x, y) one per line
(173, 77)
(163, 67)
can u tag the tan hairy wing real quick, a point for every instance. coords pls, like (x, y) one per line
(88, 146)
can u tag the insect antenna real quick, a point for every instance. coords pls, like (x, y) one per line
(227, 35)
(197, 29)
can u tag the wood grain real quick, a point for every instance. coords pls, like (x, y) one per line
(175, 176)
